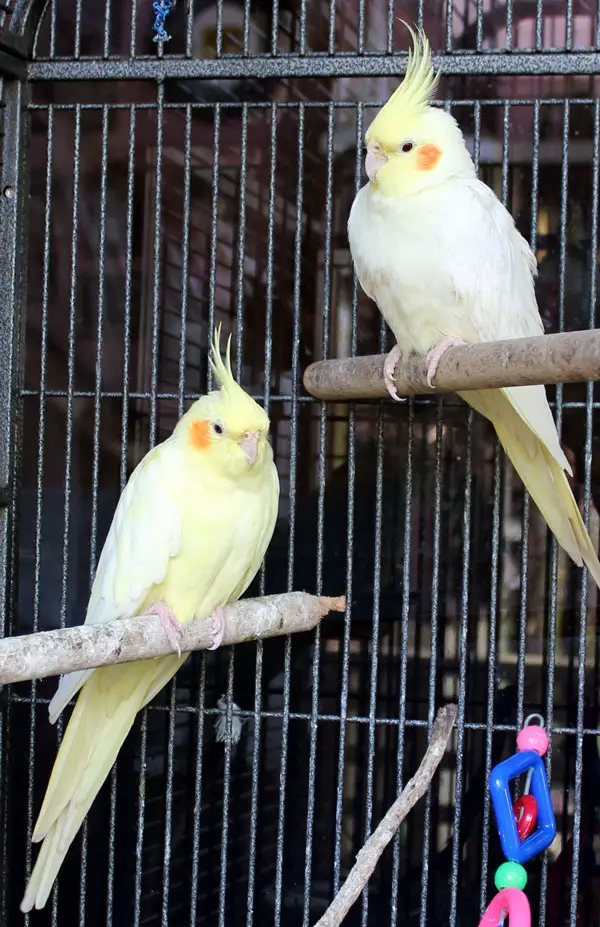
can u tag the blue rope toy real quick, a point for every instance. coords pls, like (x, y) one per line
(162, 8)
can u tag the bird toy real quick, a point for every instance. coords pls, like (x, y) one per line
(526, 827)
(162, 8)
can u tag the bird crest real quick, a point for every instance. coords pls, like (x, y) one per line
(222, 371)
(237, 409)
(412, 97)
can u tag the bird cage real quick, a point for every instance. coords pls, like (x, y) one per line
(152, 190)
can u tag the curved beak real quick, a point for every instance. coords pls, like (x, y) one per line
(373, 163)
(249, 445)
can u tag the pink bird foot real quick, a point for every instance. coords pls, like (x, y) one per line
(435, 355)
(169, 622)
(389, 367)
(217, 625)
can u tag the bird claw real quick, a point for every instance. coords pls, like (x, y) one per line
(389, 367)
(217, 623)
(435, 355)
(172, 626)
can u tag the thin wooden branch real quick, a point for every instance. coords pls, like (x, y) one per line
(48, 653)
(370, 854)
(565, 358)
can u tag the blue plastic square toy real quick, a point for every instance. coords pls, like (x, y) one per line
(500, 777)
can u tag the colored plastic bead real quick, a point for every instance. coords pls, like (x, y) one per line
(533, 738)
(509, 901)
(501, 775)
(510, 875)
(525, 811)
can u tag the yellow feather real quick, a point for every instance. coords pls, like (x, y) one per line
(542, 475)
(410, 100)
(222, 372)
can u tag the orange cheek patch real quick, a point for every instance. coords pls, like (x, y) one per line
(200, 435)
(428, 156)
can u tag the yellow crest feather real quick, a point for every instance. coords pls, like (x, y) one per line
(412, 97)
(222, 371)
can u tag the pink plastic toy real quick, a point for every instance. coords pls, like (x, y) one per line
(533, 738)
(512, 902)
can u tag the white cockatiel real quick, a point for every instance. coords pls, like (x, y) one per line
(440, 255)
(188, 536)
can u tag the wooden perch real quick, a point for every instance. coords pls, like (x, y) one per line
(565, 358)
(372, 851)
(48, 653)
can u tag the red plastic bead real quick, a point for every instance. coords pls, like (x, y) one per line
(525, 809)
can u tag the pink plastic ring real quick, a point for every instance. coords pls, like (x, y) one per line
(514, 903)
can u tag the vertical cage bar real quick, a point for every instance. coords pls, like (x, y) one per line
(434, 631)
(374, 674)
(123, 456)
(157, 262)
(241, 243)
(40, 473)
(13, 296)
(462, 674)
(69, 423)
(198, 782)
(344, 687)
(322, 464)
(404, 630)
(139, 840)
(214, 228)
(294, 412)
(583, 589)
(256, 751)
(167, 854)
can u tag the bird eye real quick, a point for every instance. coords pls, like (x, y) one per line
(218, 428)
(407, 146)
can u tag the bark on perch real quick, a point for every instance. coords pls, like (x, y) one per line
(565, 358)
(370, 854)
(48, 653)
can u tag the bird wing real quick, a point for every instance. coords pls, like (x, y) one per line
(492, 270)
(491, 266)
(144, 535)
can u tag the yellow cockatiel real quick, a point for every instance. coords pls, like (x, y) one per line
(188, 536)
(440, 255)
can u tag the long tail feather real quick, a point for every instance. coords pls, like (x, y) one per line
(101, 720)
(68, 686)
(542, 474)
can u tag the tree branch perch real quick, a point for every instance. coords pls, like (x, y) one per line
(565, 358)
(372, 851)
(48, 653)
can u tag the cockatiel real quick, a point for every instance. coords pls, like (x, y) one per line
(188, 536)
(440, 255)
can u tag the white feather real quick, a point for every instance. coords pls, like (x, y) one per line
(447, 261)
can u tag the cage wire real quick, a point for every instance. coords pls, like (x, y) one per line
(152, 191)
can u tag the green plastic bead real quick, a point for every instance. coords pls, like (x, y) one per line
(510, 875)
